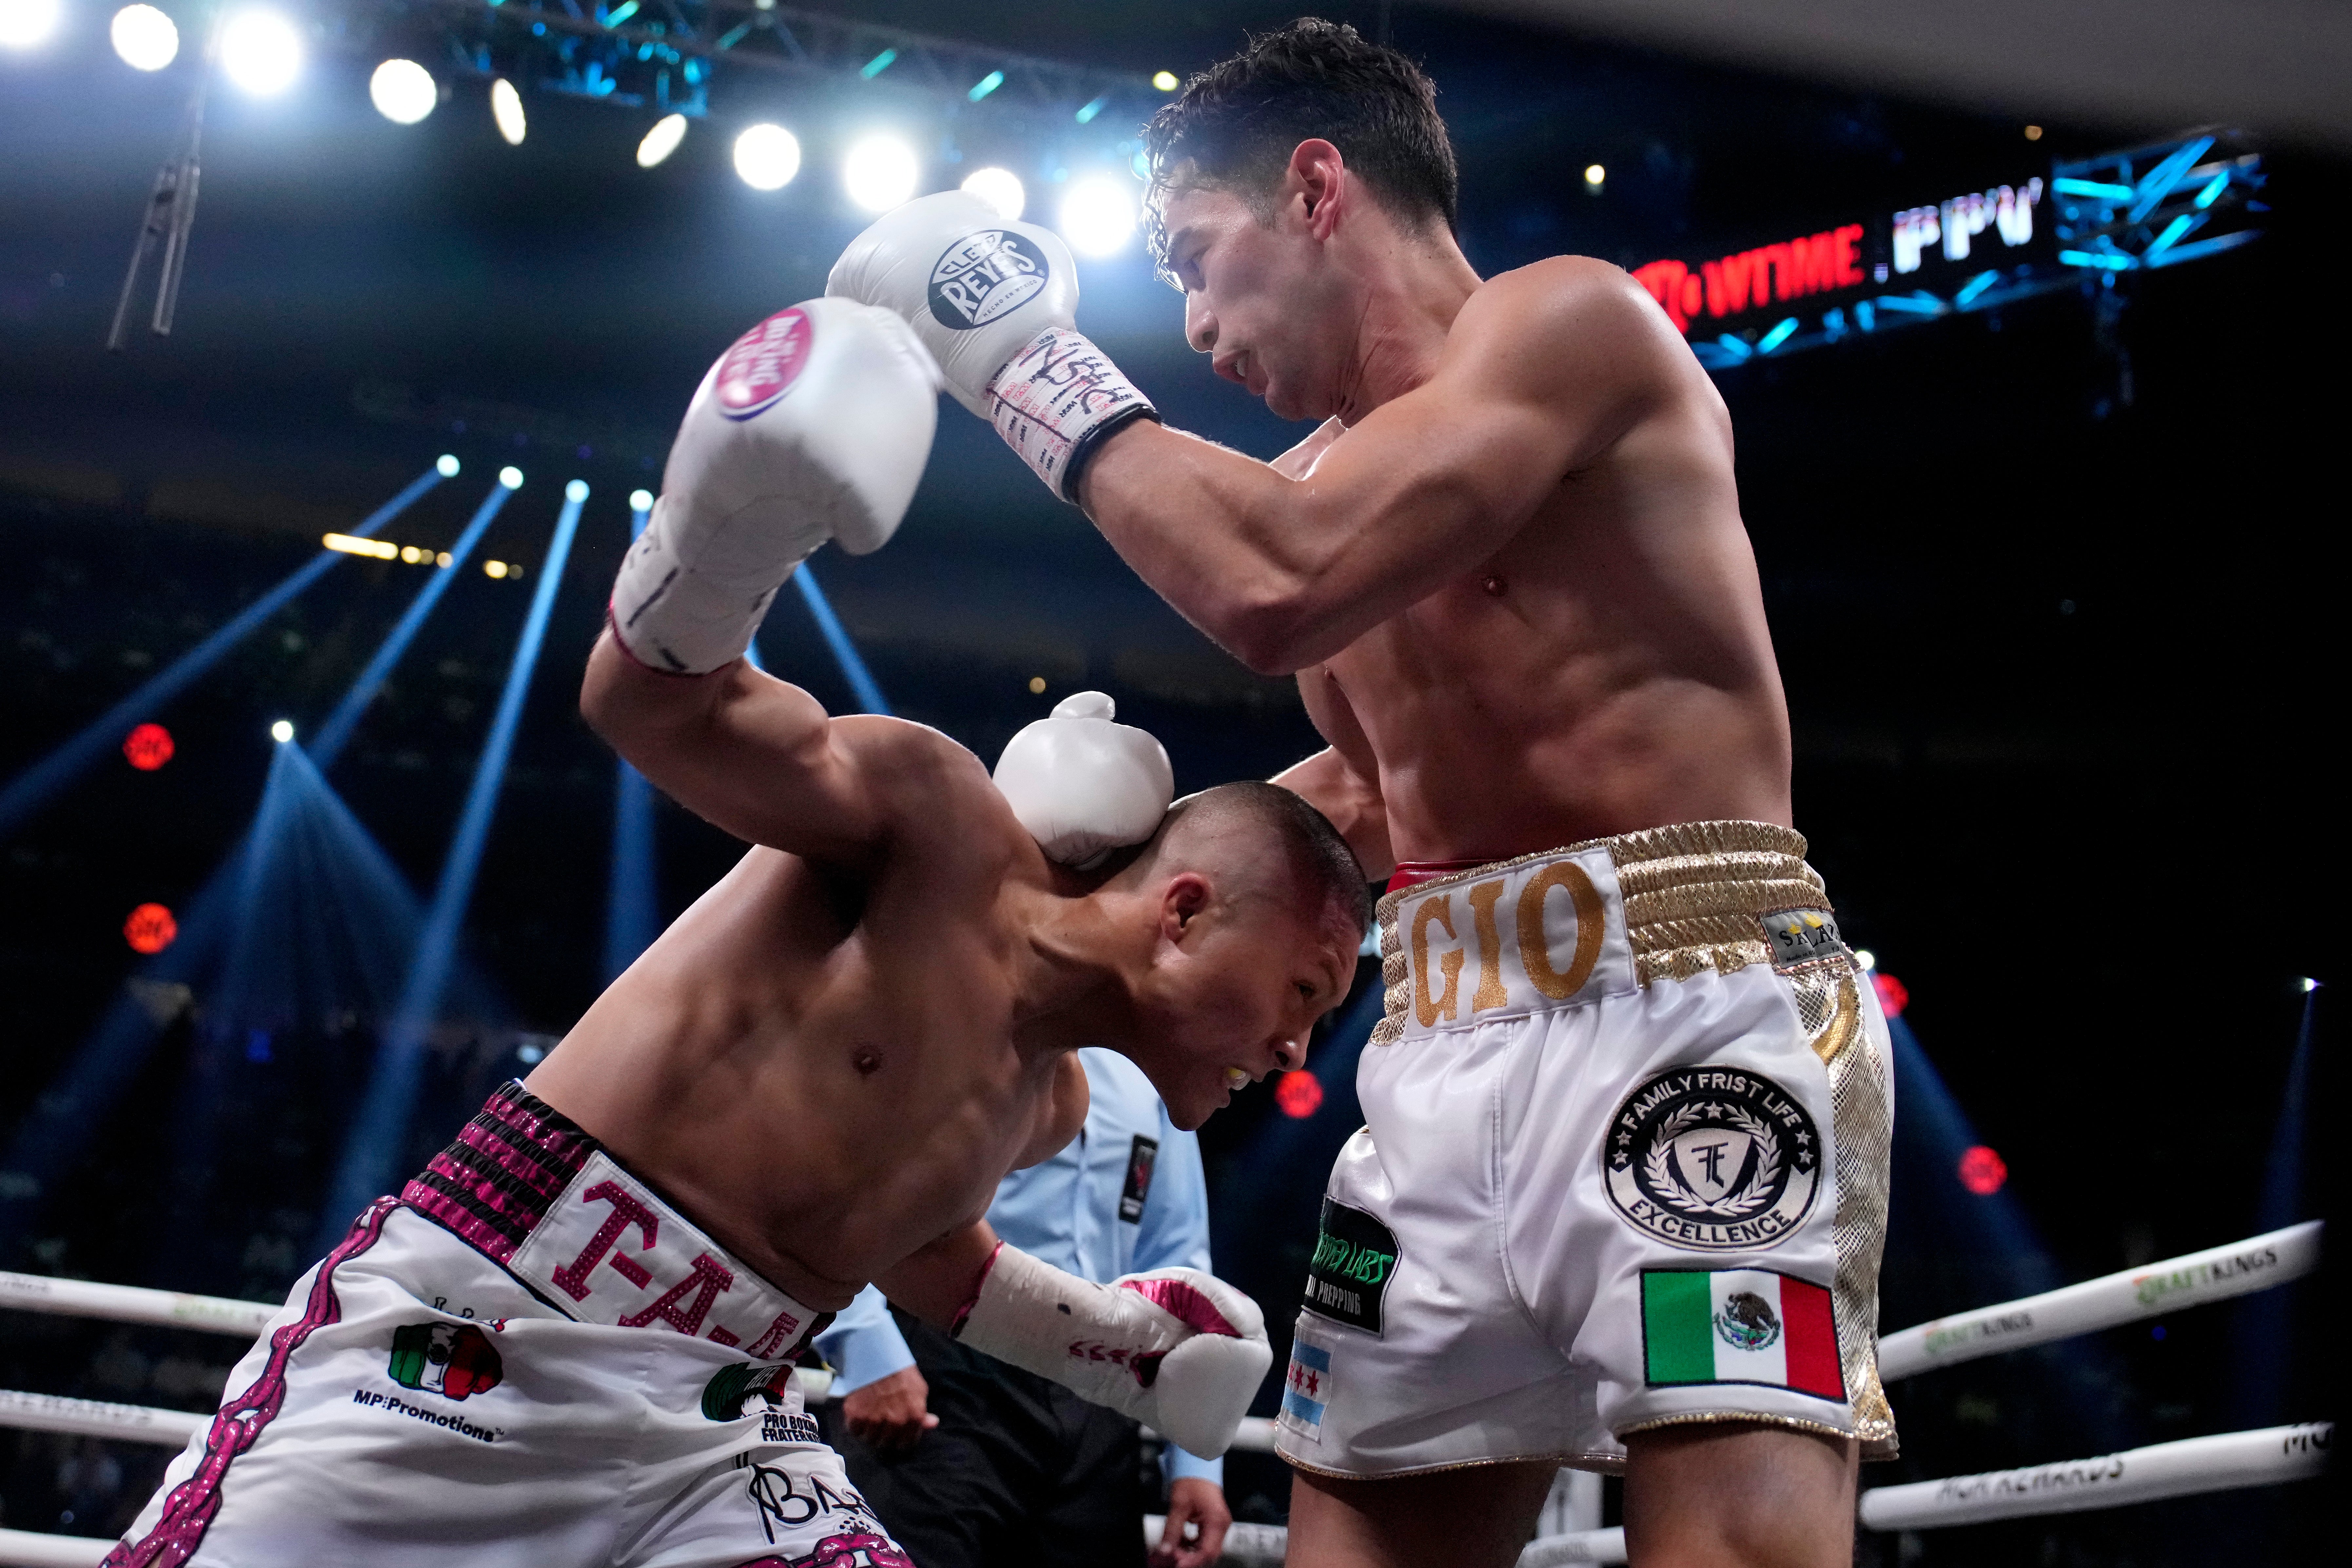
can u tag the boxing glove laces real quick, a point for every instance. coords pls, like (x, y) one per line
(1179, 1350)
(815, 425)
(1083, 784)
(996, 303)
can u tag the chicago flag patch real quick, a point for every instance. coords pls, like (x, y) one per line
(1739, 1325)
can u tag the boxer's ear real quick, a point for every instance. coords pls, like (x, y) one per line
(1319, 175)
(1187, 894)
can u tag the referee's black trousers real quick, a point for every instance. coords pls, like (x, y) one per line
(1019, 1473)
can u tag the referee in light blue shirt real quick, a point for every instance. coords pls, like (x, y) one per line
(975, 1464)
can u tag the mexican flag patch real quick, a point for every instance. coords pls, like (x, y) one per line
(1739, 1325)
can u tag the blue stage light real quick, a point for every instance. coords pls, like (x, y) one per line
(576, 491)
(1779, 334)
(378, 1134)
(845, 652)
(337, 730)
(1970, 290)
(41, 783)
(446, 465)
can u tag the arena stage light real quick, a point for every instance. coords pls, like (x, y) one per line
(511, 478)
(282, 731)
(402, 91)
(661, 141)
(1595, 176)
(26, 24)
(1097, 217)
(144, 37)
(641, 500)
(148, 747)
(1164, 80)
(150, 929)
(1000, 188)
(261, 52)
(505, 109)
(767, 157)
(879, 172)
(446, 465)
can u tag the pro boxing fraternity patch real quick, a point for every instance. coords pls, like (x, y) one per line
(756, 372)
(1714, 1160)
(1355, 1259)
(1141, 1156)
(1801, 936)
(982, 276)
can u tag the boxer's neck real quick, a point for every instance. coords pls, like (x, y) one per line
(1410, 284)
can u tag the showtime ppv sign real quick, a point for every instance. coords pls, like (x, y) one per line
(1918, 245)
(1779, 274)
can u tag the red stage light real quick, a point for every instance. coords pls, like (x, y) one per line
(1299, 1094)
(150, 929)
(1893, 994)
(149, 747)
(1983, 1172)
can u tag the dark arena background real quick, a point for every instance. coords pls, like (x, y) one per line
(2040, 436)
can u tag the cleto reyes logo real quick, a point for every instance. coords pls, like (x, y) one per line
(763, 364)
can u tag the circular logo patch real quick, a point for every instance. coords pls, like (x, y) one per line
(1715, 1159)
(982, 276)
(763, 363)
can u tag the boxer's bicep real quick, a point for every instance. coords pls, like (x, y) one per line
(751, 754)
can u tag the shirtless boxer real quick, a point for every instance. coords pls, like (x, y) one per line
(1620, 1196)
(569, 1341)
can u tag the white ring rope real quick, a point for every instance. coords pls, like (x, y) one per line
(2152, 1290)
(27, 1549)
(130, 1304)
(2263, 1458)
(2258, 1458)
(96, 1418)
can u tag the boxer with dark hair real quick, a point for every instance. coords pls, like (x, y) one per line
(569, 1341)
(1620, 1196)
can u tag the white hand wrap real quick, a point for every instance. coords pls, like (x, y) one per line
(1059, 398)
(1181, 1351)
(815, 425)
(1082, 785)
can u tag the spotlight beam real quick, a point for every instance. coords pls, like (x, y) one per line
(38, 784)
(346, 716)
(375, 1141)
(853, 667)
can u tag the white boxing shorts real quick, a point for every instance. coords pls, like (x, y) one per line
(1624, 1166)
(528, 1360)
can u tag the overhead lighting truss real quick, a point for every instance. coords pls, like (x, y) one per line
(662, 54)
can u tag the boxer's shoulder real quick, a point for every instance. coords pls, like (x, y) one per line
(1558, 318)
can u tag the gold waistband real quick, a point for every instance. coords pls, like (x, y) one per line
(1692, 891)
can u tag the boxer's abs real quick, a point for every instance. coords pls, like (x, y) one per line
(822, 1114)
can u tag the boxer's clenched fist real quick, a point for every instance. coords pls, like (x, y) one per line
(1181, 1351)
(815, 425)
(996, 303)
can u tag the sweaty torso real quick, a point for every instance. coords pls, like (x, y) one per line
(821, 1067)
(1607, 670)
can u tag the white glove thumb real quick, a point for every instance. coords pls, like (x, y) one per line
(1082, 785)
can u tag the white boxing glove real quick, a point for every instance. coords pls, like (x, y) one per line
(815, 425)
(996, 303)
(1082, 785)
(1179, 1350)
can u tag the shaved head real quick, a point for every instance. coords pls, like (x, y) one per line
(1263, 841)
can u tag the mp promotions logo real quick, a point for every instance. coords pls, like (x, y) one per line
(982, 276)
(1714, 1159)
